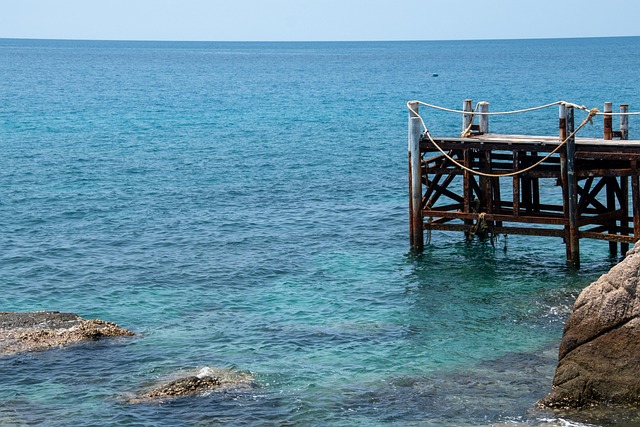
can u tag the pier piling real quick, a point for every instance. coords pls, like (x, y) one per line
(415, 174)
(572, 202)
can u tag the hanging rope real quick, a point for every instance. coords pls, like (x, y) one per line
(496, 113)
(592, 113)
(524, 110)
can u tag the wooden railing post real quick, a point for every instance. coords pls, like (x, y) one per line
(624, 121)
(562, 122)
(608, 121)
(572, 190)
(415, 177)
(467, 117)
(483, 120)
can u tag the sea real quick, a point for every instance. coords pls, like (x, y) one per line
(243, 207)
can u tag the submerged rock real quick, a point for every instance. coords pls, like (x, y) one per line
(42, 330)
(196, 384)
(183, 387)
(599, 357)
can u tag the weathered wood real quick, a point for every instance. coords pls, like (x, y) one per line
(526, 231)
(530, 143)
(485, 182)
(585, 196)
(635, 201)
(467, 118)
(600, 218)
(417, 241)
(562, 135)
(467, 189)
(593, 178)
(412, 106)
(608, 121)
(562, 122)
(624, 181)
(574, 233)
(432, 186)
(624, 122)
(624, 223)
(539, 218)
(516, 185)
(508, 206)
(483, 120)
(442, 190)
(615, 238)
(611, 201)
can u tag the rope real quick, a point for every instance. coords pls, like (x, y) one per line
(634, 113)
(592, 112)
(495, 113)
(467, 132)
(524, 110)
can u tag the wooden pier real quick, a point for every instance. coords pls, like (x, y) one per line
(490, 184)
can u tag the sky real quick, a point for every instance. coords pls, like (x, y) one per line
(316, 20)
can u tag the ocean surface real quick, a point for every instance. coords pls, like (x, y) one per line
(243, 206)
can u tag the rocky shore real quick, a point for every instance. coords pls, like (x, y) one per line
(599, 356)
(42, 330)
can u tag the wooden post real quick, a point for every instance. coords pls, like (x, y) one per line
(624, 180)
(572, 200)
(608, 121)
(611, 197)
(562, 135)
(412, 106)
(486, 183)
(624, 121)
(467, 189)
(516, 184)
(483, 120)
(635, 199)
(415, 171)
(562, 122)
(467, 118)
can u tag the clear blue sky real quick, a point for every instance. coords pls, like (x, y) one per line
(316, 19)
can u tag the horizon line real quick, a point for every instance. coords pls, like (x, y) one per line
(313, 41)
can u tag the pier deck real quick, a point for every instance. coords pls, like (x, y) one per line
(587, 189)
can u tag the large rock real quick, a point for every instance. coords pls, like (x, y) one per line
(599, 357)
(191, 384)
(42, 330)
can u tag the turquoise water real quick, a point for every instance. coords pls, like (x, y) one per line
(244, 206)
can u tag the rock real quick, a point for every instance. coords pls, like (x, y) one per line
(42, 330)
(196, 384)
(188, 386)
(599, 357)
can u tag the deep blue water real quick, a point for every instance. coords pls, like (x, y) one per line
(244, 206)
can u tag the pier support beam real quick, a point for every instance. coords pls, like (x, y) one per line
(572, 193)
(624, 180)
(635, 199)
(611, 197)
(467, 119)
(562, 135)
(415, 180)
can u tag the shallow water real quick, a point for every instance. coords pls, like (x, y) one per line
(244, 206)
